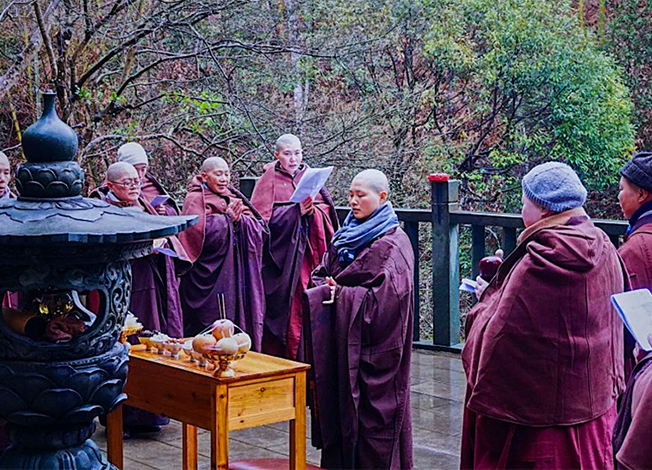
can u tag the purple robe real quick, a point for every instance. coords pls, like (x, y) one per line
(296, 246)
(360, 349)
(229, 262)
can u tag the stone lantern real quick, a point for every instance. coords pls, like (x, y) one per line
(56, 250)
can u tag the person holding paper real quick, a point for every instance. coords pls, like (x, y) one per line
(151, 190)
(155, 286)
(544, 347)
(226, 248)
(359, 336)
(631, 440)
(635, 199)
(299, 236)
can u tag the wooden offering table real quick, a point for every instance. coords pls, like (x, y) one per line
(265, 390)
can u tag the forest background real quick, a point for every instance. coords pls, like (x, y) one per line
(480, 89)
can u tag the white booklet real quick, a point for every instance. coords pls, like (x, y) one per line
(635, 309)
(311, 183)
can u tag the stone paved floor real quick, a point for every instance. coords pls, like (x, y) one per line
(437, 396)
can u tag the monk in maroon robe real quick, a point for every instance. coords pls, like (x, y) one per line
(9, 299)
(155, 287)
(635, 199)
(299, 235)
(154, 295)
(633, 430)
(544, 347)
(150, 190)
(226, 249)
(359, 336)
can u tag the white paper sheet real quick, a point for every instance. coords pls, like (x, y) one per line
(311, 183)
(635, 309)
(468, 285)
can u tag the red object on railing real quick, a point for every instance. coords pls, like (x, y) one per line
(438, 177)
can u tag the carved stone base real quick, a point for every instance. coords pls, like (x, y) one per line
(85, 457)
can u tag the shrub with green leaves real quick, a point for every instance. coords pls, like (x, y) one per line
(534, 87)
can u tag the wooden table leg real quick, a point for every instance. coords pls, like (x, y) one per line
(220, 431)
(298, 425)
(189, 446)
(114, 437)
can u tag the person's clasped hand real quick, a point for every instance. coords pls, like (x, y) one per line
(307, 206)
(639, 353)
(235, 209)
(480, 286)
(333, 287)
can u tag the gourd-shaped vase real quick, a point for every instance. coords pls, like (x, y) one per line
(49, 138)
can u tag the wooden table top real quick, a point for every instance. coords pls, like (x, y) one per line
(253, 366)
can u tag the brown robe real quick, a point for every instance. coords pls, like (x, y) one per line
(543, 356)
(360, 349)
(152, 188)
(227, 259)
(295, 248)
(633, 431)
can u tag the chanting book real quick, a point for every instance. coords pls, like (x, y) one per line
(635, 310)
(311, 183)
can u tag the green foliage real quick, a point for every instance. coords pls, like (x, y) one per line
(629, 28)
(534, 86)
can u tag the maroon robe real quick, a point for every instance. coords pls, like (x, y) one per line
(155, 286)
(632, 438)
(295, 248)
(544, 352)
(636, 252)
(154, 300)
(360, 349)
(227, 259)
(152, 188)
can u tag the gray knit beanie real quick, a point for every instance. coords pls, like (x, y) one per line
(639, 170)
(132, 153)
(554, 186)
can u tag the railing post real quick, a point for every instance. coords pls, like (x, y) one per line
(247, 184)
(509, 240)
(477, 252)
(445, 261)
(412, 231)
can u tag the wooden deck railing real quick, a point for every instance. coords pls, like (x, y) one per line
(445, 220)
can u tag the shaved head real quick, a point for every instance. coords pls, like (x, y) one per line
(374, 179)
(119, 170)
(286, 140)
(213, 163)
(5, 173)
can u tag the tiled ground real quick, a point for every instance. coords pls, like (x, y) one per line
(437, 395)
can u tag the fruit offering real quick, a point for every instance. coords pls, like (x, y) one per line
(223, 329)
(204, 343)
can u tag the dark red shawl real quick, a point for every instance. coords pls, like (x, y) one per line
(544, 345)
